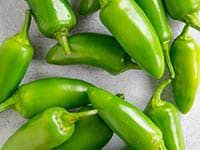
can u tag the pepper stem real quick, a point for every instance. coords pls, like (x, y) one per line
(73, 117)
(103, 3)
(120, 95)
(193, 19)
(185, 31)
(9, 103)
(26, 25)
(61, 36)
(156, 97)
(86, 113)
(166, 51)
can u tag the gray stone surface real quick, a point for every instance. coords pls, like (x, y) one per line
(136, 85)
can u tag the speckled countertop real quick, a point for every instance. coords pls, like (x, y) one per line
(136, 85)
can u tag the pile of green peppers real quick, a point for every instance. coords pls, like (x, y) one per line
(65, 113)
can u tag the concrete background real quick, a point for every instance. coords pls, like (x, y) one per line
(136, 85)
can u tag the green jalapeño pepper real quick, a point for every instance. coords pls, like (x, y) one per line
(46, 130)
(155, 11)
(128, 122)
(185, 10)
(165, 115)
(91, 133)
(87, 7)
(93, 49)
(36, 96)
(185, 54)
(54, 19)
(133, 30)
(16, 54)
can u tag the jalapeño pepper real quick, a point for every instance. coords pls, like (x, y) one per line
(16, 54)
(46, 130)
(54, 19)
(133, 30)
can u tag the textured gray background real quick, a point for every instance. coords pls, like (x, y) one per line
(136, 85)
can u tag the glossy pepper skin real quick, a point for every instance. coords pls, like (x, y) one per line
(93, 49)
(165, 115)
(155, 12)
(16, 54)
(185, 54)
(133, 30)
(87, 7)
(45, 131)
(128, 122)
(91, 133)
(186, 11)
(54, 19)
(36, 96)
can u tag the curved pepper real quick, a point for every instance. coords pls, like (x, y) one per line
(54, 19)
(185, 10)
(133, 30)
(46, 130)
(128, 122)
(16, 54)
(185, 54)
(36, 96)
(91, 133)
(93, 49)
(87, 7)
(155, 12)
(165, 115)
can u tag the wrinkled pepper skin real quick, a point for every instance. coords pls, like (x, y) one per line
(91, 133)
(46, 130)
(133, 30)
(54, 19)
(16, 54)
(185, 54)
(93, 49)
(36, 96)
(87, 7)
(154, 10)
(165, 115)
(128, 122)
(187, 11)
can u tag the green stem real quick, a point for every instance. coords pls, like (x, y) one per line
(156, 97)
(73, 117)
(103, 3)
(166, 51)
(185, 31)
(193, 19)
(9, 103)
(120, 95)
(86, 113)
(62, 38)
(26, 25)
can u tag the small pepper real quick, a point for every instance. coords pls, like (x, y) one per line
(91, 133)
(185, 10)
(93, 49)
(133, 30)
(46, 130)
(36, 96)
(128, 122)
(155, 12)
(54, 18)
(165, 115)
(185, 54)
(16, 54)
(87, 7)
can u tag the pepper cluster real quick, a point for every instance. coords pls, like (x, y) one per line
(52, 124)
